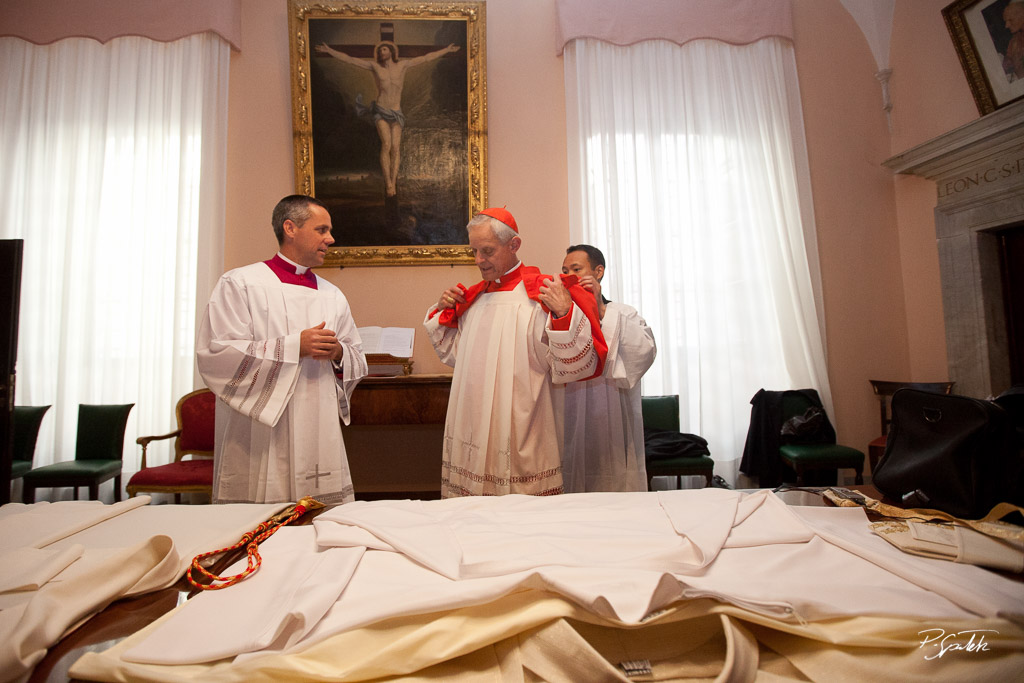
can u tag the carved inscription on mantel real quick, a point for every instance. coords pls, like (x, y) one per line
(992, 176)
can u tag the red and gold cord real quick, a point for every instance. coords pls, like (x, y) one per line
(251, 541)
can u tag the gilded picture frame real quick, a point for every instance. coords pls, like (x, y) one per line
(989, 39)
(389, 111)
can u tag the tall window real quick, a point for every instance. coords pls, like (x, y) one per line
(112, 174)
(688, 169)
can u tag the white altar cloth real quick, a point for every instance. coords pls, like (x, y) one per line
(716, 551)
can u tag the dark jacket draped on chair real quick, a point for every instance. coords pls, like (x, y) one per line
(761, 451)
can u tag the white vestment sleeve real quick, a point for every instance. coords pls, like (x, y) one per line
(353, 363)
(631, 347)
(444, 339)
(571, 352)
(254, 377)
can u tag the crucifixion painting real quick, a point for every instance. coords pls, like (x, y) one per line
(390, 129)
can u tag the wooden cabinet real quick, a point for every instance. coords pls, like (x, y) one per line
(396, 434)
(406, 400)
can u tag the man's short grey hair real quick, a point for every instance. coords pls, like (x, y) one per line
(502, 232)
(296, 208)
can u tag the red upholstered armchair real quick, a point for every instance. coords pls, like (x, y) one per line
(194, 436)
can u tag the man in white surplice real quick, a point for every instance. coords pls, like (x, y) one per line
(604, 429)
(279, 348)
(510, 338)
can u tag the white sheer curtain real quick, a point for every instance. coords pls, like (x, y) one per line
(113, 174)
(688, 168)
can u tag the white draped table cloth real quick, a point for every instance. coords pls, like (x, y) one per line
(621, 558)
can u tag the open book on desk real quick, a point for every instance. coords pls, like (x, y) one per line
(388, 350)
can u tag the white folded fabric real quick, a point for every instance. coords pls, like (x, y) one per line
(764, 519)
(987, 551)
(813, 581)
(705, 521)
(43, 617)
(333, 535)
(473, 537)
(613, 530)
(23, 569)
(271, 609)
(770, 563)
(975, 589)
(954, 543)
(41, 524)
(407, 526)
(194, 529)
(62, 562)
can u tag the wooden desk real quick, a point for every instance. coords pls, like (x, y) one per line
(396, 435)
(407, 400)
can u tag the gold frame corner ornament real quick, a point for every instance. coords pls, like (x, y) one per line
(473, 13)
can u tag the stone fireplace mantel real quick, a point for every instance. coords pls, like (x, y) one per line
(978, 171)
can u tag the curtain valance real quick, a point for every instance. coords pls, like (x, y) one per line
(42, 23)
(738, 22)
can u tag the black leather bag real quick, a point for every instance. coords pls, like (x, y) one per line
(810, 427)
(951, 453)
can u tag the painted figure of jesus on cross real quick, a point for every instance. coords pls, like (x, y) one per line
(389, 75)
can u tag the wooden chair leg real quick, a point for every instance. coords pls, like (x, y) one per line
(117, 489)
(75, 489)
(707, 480)
(28, 494)
(177, 499)
(94, 491)
(859, 478)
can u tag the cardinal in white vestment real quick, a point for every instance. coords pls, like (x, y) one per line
(279, 348)
(604, 427)
(510, 338)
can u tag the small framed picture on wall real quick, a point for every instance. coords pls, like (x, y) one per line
(989, 39)
(389, 119)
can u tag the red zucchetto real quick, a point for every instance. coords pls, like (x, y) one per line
(503, 216)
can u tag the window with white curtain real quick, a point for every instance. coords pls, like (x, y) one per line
(112, 174)
(688, 168)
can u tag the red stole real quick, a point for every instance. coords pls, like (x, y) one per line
(287, 273)
(532, 280)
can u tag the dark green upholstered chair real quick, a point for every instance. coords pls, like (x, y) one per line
(805, 457)
(98, 451)
(26, 431)
(662, 412)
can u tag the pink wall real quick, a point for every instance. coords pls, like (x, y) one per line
(875, 234)
(932, 96)
(847, 140)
